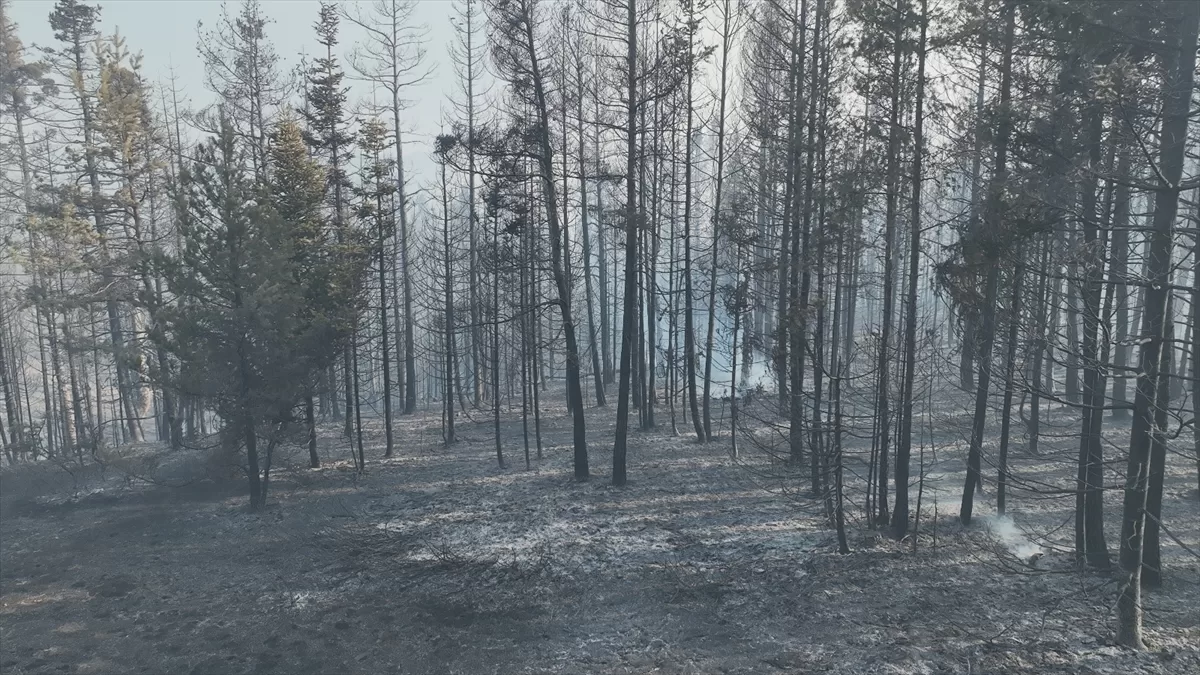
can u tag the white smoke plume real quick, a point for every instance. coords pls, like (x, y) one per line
(1007, 533)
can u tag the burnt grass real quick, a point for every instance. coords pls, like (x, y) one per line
(437, 561)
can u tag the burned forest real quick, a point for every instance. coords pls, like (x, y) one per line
(600, 336)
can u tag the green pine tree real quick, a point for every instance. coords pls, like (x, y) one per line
(263, 299)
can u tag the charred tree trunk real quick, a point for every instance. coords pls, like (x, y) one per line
(1180, 61)
(904, 439)
(987, 253)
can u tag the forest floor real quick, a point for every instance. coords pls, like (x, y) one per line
(436, 561)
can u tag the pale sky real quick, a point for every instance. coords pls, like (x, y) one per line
(164, 31)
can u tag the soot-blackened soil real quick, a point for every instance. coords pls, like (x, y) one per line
(437, 561)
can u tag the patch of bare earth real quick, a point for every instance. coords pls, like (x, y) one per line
(437, 561)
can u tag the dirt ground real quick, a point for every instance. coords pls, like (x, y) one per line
(437, 561)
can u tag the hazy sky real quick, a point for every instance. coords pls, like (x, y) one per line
(164, 31)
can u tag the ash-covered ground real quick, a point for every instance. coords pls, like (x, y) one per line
(437, 561)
